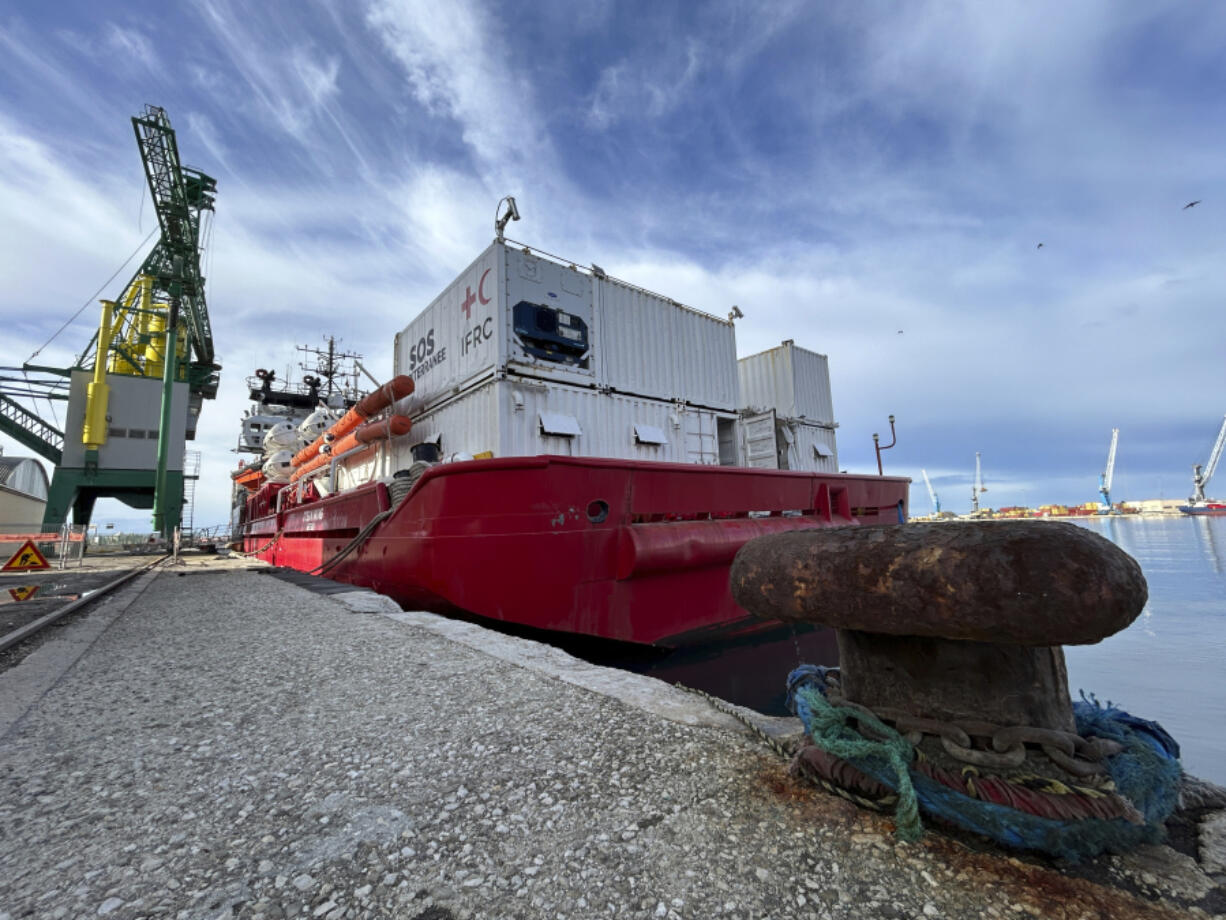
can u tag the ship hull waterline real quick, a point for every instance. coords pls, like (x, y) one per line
(618, 549)
(1209, 509)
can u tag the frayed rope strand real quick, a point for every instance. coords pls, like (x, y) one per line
(828, 726)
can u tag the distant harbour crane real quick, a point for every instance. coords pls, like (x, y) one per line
(1105, 477)
(1202, 475)
(977, 487)
(936, 501)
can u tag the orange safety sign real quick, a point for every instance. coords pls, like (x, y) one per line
(23, 593)
(26, 559)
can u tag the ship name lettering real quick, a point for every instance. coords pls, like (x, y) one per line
(421, 351)
(430, 363)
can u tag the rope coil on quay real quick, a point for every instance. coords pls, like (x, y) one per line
(1032, 807)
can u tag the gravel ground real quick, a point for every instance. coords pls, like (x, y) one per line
(232, 745)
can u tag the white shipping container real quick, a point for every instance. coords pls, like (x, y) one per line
(515, 416)
(794, 382)
(517, 312)
(652, 346)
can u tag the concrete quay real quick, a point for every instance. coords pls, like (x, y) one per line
(213, 742)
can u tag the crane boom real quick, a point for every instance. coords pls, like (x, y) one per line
(1105, 477)
(977, 486)
(1200, 478)
(936, 502)
(180, 195)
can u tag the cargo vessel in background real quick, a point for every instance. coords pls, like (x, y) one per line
(562, 451)
(1197, 503)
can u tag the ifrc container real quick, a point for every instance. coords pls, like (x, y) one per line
(517, 313)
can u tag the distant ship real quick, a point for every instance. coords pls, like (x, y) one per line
(1198, 504)
(1210, 508)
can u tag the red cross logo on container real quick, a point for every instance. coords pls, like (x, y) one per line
(470, 298)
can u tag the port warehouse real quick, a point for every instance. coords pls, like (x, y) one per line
(524, 354)
(23, 493)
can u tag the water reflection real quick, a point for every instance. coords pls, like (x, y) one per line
(1113, 532)
(1205, 528)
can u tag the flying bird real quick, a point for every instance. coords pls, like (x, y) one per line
(1040, 246)
(1191, 204)
(900, 332)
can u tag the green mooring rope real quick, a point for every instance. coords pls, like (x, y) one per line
(828, 727)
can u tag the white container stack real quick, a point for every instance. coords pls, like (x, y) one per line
(524, 355)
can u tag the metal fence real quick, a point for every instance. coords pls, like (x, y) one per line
(30, 548)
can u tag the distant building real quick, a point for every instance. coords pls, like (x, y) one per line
(23, 493)
(1156, 505)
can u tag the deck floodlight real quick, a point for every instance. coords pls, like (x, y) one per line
(512, 213)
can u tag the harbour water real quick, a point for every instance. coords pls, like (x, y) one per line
(1170, 664)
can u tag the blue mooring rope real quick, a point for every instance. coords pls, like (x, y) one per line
(1146, 773)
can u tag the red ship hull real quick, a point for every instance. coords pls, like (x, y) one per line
(618, 549)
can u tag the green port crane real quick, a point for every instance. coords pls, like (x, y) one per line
(142, 378)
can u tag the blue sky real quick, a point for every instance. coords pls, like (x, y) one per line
(841, 171)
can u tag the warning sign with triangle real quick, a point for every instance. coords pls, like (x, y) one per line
(24, 593)
(26, 559)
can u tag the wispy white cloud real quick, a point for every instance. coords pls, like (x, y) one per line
(459, 67)
(47, 207)
(132, 47)
(650, 87)
(296, 86)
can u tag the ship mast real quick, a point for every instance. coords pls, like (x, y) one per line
(329, 364)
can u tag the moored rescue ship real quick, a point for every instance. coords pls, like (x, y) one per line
(562, 450)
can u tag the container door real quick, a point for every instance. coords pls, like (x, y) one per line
(758, 441)
(701, 439)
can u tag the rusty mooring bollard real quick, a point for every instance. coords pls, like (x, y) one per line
(956, 622)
